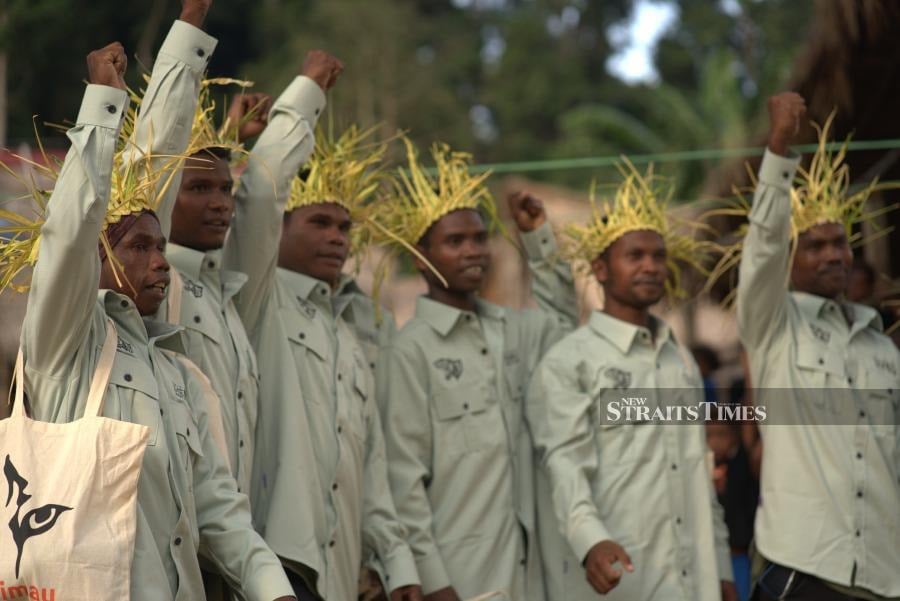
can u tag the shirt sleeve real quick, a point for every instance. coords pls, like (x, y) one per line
(227, 536)
(407, 427)
(383, 532)
(552, 281)
(69, 263)
(762, 293)
(285, 144)
(166, 114)
(564, 441)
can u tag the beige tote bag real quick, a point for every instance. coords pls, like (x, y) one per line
(68, 498)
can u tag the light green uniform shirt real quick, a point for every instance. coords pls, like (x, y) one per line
(830, 493)
(214, 335)
(644, 486)
(460, 457)
(288, 509)
(346, 432)
(186, 497)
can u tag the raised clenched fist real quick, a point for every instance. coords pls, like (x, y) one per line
(194, 11)
(786, 112)
(249, 114)
(527, 211)
(322, 68)
(598, 565)
(106, 67)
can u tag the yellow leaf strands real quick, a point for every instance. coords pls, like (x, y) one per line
(640, 203)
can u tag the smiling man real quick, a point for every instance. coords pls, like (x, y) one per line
(827, 526)
(459, 453)
(634, 501)
(186, 496)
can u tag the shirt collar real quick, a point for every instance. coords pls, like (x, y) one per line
(305, 287)
(124, 313)
(347, 285)
(443, 317)
(861, 316)
(623, 334)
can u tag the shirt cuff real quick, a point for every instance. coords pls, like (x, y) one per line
(540, 243)
(268, 583)
(723, 560)
(431, 571)
(102, 106)
(399, 569)
(778, 171)
(303, 95)
(189, 45)
(585, 535)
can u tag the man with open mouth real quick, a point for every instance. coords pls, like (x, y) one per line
(186, 496)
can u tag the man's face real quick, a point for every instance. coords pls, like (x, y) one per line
(633, 269)
(822, 261)
(205, 203)
(457, 246)
(315, 241)
(145, 276)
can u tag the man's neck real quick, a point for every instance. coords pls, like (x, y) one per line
(639, 316)
(464, 301)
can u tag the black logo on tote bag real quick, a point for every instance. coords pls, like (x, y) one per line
(36, 521)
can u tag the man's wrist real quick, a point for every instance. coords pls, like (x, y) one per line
(194, 16)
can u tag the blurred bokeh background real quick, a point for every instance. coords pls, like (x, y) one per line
(512, 81)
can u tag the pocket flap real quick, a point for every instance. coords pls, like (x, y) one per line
(456, 402)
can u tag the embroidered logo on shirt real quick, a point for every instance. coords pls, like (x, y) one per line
(37, 521)
(307, 307)
(452, 368)
(510, 358)
(620, 379)
(820, 333)
(179, 391)
(193, 288)
(123, 346)
(887, 366)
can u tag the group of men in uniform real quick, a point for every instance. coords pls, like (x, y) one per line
(298, 438)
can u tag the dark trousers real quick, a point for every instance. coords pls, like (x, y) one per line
(778, 582)
(301, 589)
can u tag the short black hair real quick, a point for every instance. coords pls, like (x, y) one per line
(216, 152)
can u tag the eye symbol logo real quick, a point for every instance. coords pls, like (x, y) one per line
(36, 521)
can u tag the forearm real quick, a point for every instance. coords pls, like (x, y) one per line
(764, 267)
(552, 281)
(69, 263)
(166, 114)
(285, 145)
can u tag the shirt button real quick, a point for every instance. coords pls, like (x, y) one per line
(484, 351)
(340, 377)
(674, 467)
(858, 534)
(240, 394)
(522, 562)
(331, 543)
(196, 319)
(468, 318)
(821, 361)
(200, 52)
(177, 541)
(849, 380)
(211, 264)
(340, 429)
(862, 413)
(859, 494)
(241, 444)
(188, 431)
(302, 335)
(859, 455)
(678, 521)
(785, 175)
(124, 304)
(334, 486)
(111, 109)
(466, 406)
(684, 573)
(372, 365)
(161, 412)
(128, 377)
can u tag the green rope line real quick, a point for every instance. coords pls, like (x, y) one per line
(667, 157)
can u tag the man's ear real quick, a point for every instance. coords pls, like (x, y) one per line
(600, 269)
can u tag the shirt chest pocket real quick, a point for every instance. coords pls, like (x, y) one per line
(467, 420)
(187, 434)
(138, 394)
(306, 336)
(882, 400)
(815, 363)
